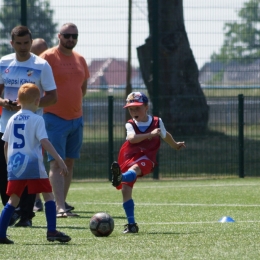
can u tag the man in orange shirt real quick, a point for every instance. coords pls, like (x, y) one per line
(64, 122)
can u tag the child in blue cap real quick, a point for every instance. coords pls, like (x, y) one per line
(137, 156)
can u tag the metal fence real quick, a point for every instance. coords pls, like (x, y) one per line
(103, 32)
(214, 154)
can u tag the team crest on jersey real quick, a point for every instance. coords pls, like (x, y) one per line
(17, 164)
(29, 73)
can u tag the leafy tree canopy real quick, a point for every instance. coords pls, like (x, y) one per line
(39, 21)
(242, 39)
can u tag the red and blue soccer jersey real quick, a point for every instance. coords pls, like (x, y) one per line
(131, 153)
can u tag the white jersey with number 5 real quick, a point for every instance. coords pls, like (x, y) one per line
(24, 131)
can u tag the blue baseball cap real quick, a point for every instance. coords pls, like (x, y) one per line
(136, 99)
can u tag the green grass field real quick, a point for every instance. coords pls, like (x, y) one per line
(177, 220)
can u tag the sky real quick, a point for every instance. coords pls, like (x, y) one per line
(103, 25)
(204, 22)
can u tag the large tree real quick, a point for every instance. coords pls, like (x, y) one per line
(39, 21)
(181, 102)
(242, 39)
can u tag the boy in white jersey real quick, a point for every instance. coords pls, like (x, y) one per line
(137, 156)
(24, 137)
(18, 68)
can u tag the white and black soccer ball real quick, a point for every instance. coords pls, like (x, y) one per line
(101, 224)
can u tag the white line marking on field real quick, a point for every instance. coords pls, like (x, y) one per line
(196, 186)
(174, 204)
(197, 205)
(197, 223)
(174, 185)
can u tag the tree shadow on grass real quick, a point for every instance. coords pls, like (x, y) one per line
(59, 226)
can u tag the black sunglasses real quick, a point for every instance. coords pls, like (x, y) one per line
(67, 35)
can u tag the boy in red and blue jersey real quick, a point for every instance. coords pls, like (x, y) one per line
(137, 156)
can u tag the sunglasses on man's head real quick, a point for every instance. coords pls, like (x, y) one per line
(68, 35)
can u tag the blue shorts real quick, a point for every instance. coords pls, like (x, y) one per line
(65, 135)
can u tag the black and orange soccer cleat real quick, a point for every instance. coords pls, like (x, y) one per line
(131, 228)
(116, 174)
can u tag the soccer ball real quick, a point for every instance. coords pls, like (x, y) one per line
(101, 224)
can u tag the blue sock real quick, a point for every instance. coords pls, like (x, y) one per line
(50, 212)
(129, 176)
(6, 215)
(129, 211)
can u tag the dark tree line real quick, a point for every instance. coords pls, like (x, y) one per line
(39, 21)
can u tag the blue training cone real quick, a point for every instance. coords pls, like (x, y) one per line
(226, 220)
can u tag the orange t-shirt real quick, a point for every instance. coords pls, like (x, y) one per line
(69, 73)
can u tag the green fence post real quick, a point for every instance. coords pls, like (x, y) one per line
(241, 134)
(155, 70)
(110, 135)
(24, 12)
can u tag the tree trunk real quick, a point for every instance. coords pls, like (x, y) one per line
(182, 104)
